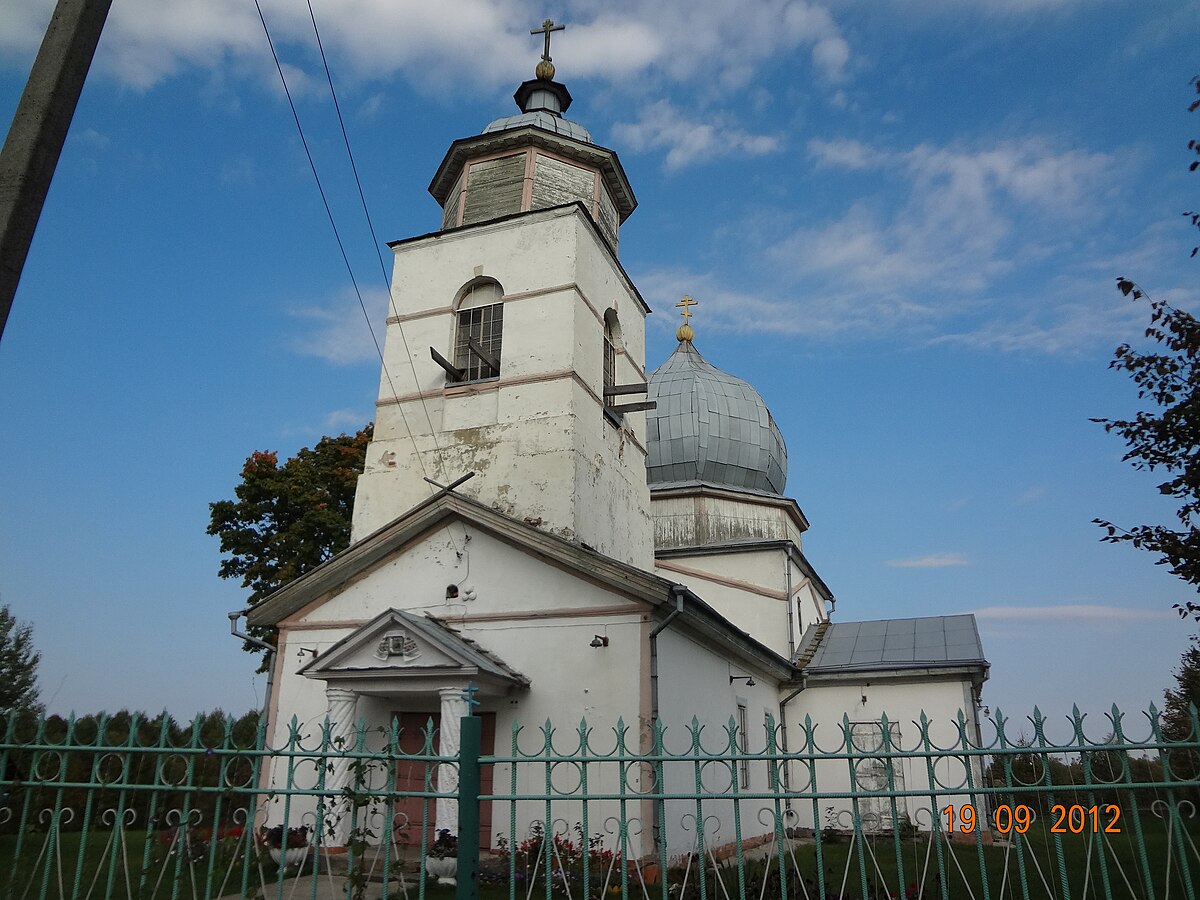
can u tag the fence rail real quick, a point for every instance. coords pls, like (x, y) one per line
(120, 807)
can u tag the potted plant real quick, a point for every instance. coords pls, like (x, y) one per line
(286, 849)
(441, 860)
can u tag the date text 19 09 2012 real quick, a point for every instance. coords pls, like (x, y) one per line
(1072, 819)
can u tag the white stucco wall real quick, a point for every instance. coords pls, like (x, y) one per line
(694, 682)
(902, 700)
(539, 619)
(763, 617)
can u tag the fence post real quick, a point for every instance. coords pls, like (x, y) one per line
(468, 808)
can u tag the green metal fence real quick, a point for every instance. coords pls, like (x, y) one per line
(1066, 809)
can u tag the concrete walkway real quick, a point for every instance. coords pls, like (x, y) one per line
(315, 887)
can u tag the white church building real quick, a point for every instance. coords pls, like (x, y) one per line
(624, 549)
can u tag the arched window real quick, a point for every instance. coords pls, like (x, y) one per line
(480, 328)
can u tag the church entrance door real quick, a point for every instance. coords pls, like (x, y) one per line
(410, 775)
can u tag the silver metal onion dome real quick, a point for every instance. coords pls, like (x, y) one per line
(710, 427)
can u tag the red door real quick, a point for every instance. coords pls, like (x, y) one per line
(411, 776)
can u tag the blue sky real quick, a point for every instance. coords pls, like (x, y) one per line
(903, 222)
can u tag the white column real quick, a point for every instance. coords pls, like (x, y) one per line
(454, 707)
(342, 709)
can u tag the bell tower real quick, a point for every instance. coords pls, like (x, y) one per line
(515, 344)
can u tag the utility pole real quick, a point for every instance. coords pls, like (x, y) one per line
(39, 129)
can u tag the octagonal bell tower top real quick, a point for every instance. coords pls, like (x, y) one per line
(533, 160)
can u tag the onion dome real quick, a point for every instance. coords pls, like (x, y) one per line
(710, 427)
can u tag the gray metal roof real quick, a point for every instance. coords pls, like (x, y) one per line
(712, 427)
(895, 644)
(544, 120)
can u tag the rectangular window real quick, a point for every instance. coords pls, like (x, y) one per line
(743, 764)
(485, 326)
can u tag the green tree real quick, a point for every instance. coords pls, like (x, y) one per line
(1166, 437)
(18, 666)
(1176, 714)
(288, 519)
(1177, 722)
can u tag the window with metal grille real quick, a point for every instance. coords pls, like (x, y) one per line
(477, 343)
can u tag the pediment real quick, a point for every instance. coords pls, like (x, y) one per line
(397, 642)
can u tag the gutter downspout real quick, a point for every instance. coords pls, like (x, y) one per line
(265, 774)
(677, 591)
(787, 780)
(250, 639)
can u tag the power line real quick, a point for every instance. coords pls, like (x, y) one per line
(337, 236)
(375, 243)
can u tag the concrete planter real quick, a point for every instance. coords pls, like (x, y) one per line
(444, 869)
(292, 856)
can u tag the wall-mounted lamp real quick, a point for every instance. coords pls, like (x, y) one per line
(300, 653)
(600, 640)
(749, 679)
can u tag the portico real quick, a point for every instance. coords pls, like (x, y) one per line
(418, 671)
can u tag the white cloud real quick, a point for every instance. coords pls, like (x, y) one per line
(733, 310)
(944, 245)
(955, 222)
(346, 420)
(338, 332)
(1030, 495)
(22, 25)
(148, 40)
(689, 141)
(938, 234)
(1081, 317)
(1076, 612)
(930, 561)
(371, 107)
(92, 138)
(844, 154)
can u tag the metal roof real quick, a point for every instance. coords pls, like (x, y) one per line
(544, 120)
(895, 644)
(711, 427)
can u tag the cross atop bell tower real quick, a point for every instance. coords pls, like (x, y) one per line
(545, 68)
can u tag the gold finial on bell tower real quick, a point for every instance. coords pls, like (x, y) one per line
(685, 332)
